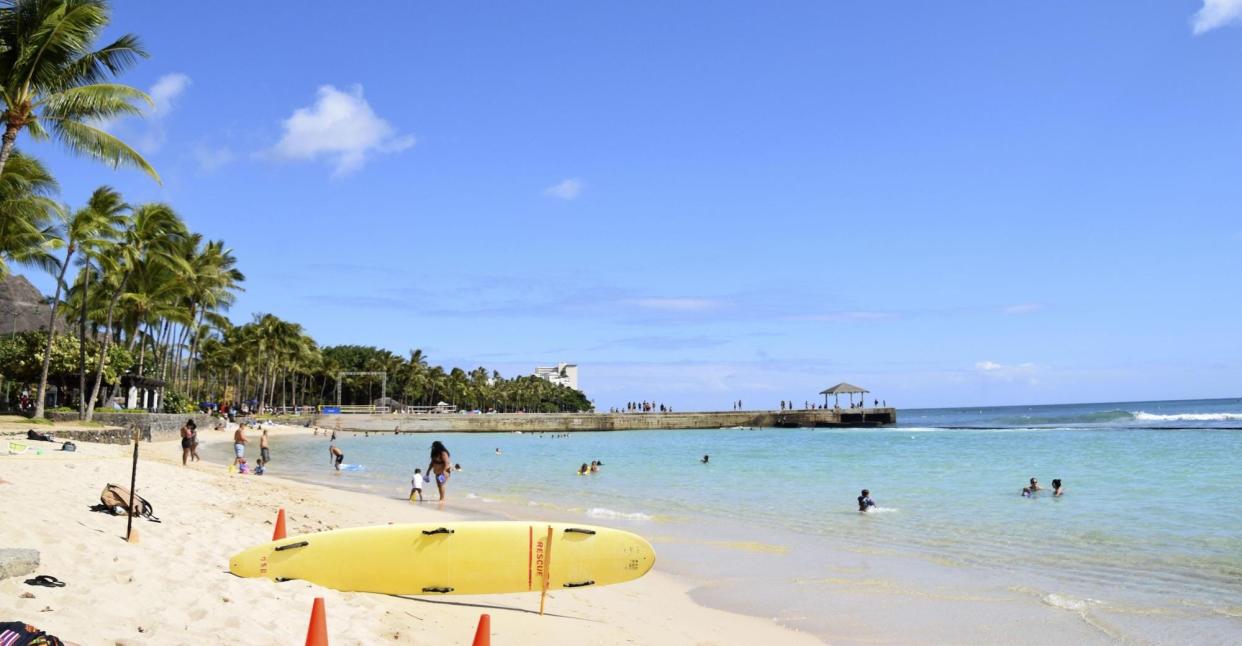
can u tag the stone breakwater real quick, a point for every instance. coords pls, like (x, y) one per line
(152, 427)
(570, 422)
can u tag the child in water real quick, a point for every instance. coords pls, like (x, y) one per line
(865, 503)
(416, 485)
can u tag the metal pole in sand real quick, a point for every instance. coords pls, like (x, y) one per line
(130, 535)
(547, 569)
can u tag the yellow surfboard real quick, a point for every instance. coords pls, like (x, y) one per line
(487, 557)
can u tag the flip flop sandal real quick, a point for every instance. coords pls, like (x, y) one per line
(46, 581)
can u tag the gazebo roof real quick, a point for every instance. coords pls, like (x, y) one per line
(843, 388)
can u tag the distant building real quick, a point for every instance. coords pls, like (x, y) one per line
(565, 374)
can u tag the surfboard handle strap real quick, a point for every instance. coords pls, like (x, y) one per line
(440, 590)
(442, 530)
(579, 584)
(291, 546)
(578, 530)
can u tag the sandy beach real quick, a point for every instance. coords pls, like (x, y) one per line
(173, 587)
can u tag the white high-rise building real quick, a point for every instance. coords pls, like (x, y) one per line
(565, 374)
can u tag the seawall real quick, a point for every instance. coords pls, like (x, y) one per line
(571, 422)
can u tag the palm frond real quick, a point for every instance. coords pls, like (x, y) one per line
(88, 140)
(93, 102)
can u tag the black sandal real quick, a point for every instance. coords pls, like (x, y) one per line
(46, 581)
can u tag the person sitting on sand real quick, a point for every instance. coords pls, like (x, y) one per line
(1057, 489)
(416, 485)
(336, 456)
(439, 467)
(258, 467)
(1035, 485)
(239, 444)
(241, 466)
(865, 503)
(706, 459)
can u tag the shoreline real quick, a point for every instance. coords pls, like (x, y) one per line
(183, 562)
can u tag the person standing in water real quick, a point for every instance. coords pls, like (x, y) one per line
(336, 456)
(440, 467)
(264, 451)
(239, 444)
(865, 503)
(1057, 489)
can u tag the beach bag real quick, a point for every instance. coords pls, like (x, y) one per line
(40, 437)
(17, 633)
(69, 446)
(115, 500)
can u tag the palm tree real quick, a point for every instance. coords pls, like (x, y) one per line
(54, 85)
(29, 214)
(152, 229)
(87, 228)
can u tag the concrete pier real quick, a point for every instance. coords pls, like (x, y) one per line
(570, 422)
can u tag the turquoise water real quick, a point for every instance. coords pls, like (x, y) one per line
(1146, 544)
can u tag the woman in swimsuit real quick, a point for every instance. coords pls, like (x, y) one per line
(187, 442)
(439, 468)
(193, 441)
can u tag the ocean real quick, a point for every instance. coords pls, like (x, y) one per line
(1145, 545)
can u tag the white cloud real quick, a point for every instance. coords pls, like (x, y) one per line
(211, 159)
(165, 92)
(1003, 372)
(1216, 13)
(566, 189)
(149, 135)
(340, 126)
(1023, 308)
(676, 304)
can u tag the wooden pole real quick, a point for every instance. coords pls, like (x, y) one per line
(130, 534)
(547, 569)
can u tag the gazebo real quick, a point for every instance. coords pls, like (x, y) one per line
(844, 388)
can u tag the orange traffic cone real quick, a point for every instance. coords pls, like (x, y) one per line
(280, 525)
(483, 634)
(317, 633)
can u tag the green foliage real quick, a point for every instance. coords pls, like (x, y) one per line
(21, 358)
(175, 402)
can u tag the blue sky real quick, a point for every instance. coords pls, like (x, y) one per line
(949, 203)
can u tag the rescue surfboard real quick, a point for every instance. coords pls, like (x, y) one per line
(484, 557)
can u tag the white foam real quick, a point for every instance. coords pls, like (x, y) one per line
(1188, 417)
(602, 512)
(882, 510)
(1066, 602)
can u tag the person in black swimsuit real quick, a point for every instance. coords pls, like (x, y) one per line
(439, 468)
(187, 442)
(865, 503)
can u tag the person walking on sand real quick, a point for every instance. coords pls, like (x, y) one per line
(264, 451)
(440, 467)
(194, 442)
(239, 444)
(416, 485)
(187, 442)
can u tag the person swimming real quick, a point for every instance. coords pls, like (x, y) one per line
(1026, 492)
(865, 503)
(584, 469)
(1057, 489)
(1035, 485)
(706, 459)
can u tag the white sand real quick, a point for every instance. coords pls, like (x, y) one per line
(173, 587)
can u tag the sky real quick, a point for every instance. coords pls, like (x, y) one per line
(949, 203)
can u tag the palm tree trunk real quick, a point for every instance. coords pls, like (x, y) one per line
(10, 139)
(86, 282)
(103, 349)
(51, 335)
